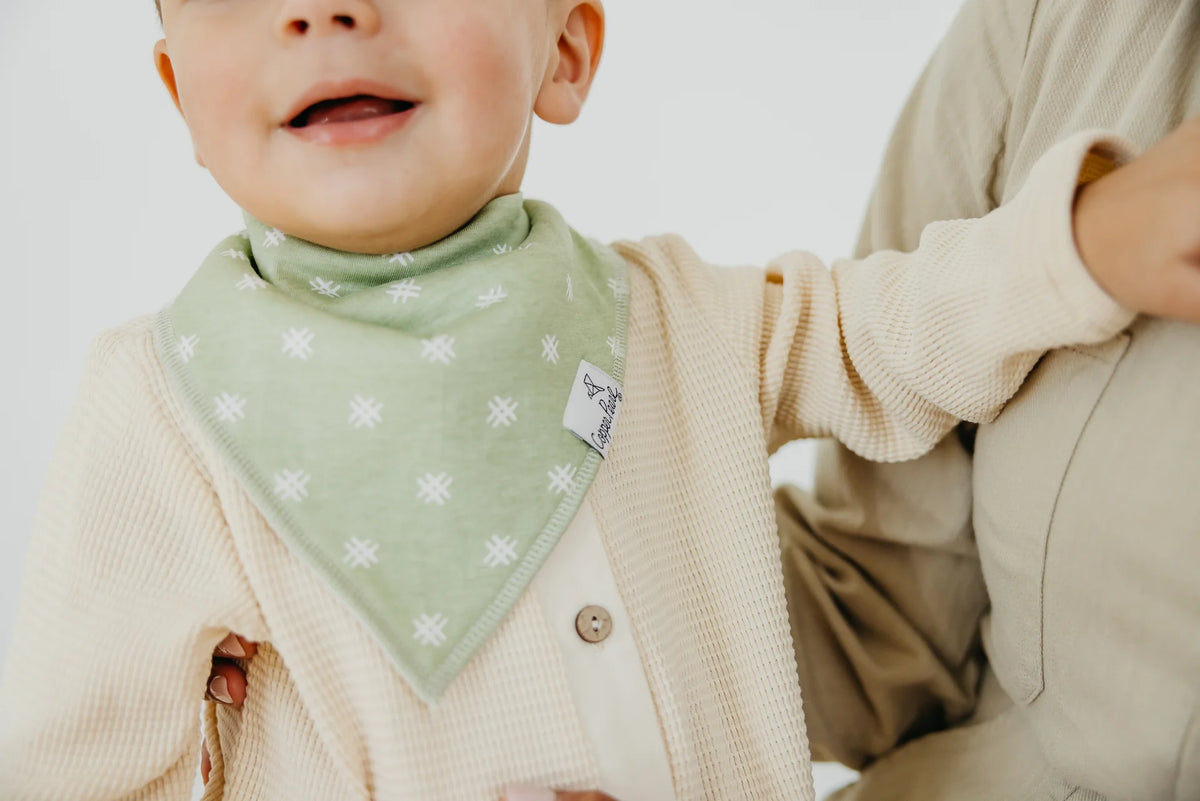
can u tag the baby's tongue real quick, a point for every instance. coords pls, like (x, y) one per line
(350, 110)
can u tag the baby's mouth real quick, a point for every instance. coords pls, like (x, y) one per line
(348, 109)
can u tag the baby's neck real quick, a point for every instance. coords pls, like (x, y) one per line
(500, 227)
(416, 232)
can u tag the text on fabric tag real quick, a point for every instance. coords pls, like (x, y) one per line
(592, 408)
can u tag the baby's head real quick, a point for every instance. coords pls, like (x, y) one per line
(373, 126)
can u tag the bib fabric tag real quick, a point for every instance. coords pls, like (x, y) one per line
(592, 409)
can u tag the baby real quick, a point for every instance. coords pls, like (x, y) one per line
(492, 496)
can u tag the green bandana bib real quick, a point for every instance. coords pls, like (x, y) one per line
(399, 419)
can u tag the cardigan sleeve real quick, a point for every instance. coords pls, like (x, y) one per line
(884, 586)
(889, 352)
(130, 582)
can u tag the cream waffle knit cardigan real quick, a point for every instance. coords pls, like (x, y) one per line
(147, 552)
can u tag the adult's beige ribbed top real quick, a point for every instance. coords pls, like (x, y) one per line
(147, 552)
(1066, 532)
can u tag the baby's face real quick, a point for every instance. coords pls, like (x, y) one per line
(366, 125)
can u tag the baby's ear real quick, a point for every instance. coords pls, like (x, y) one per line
(166, 73)
(572, 67)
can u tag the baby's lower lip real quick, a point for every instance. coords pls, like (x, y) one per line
(355, 132)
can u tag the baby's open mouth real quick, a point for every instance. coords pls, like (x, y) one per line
(348, 109)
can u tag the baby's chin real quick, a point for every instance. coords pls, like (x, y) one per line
(369, 206)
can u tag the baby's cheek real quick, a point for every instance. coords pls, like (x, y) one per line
(493, 95)
(212, 107)
(494, 53)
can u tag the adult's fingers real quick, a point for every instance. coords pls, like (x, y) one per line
(526, 792)
(226, 684)
(235, 646)
(227, 680)
(205, 762)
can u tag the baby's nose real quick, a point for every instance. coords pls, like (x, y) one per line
(311, 17)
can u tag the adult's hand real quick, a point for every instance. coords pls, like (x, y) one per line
(1136, 228)
(226, 683)
(525, 792)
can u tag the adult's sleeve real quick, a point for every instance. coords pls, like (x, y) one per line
(130, 582)
(943, 157)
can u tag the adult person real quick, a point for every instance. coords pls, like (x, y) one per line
(1080, 497)
(1068, 531)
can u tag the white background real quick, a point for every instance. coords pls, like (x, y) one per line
(750, 126)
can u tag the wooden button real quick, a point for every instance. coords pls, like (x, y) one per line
(594, 624)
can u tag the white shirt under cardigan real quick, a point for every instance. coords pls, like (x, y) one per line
(147, 552)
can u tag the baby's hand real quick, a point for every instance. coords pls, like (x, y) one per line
(1138, 228)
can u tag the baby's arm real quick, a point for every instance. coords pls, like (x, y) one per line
(130, 581)
(887, 353)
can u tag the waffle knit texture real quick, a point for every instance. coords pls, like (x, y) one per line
(147, 551)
